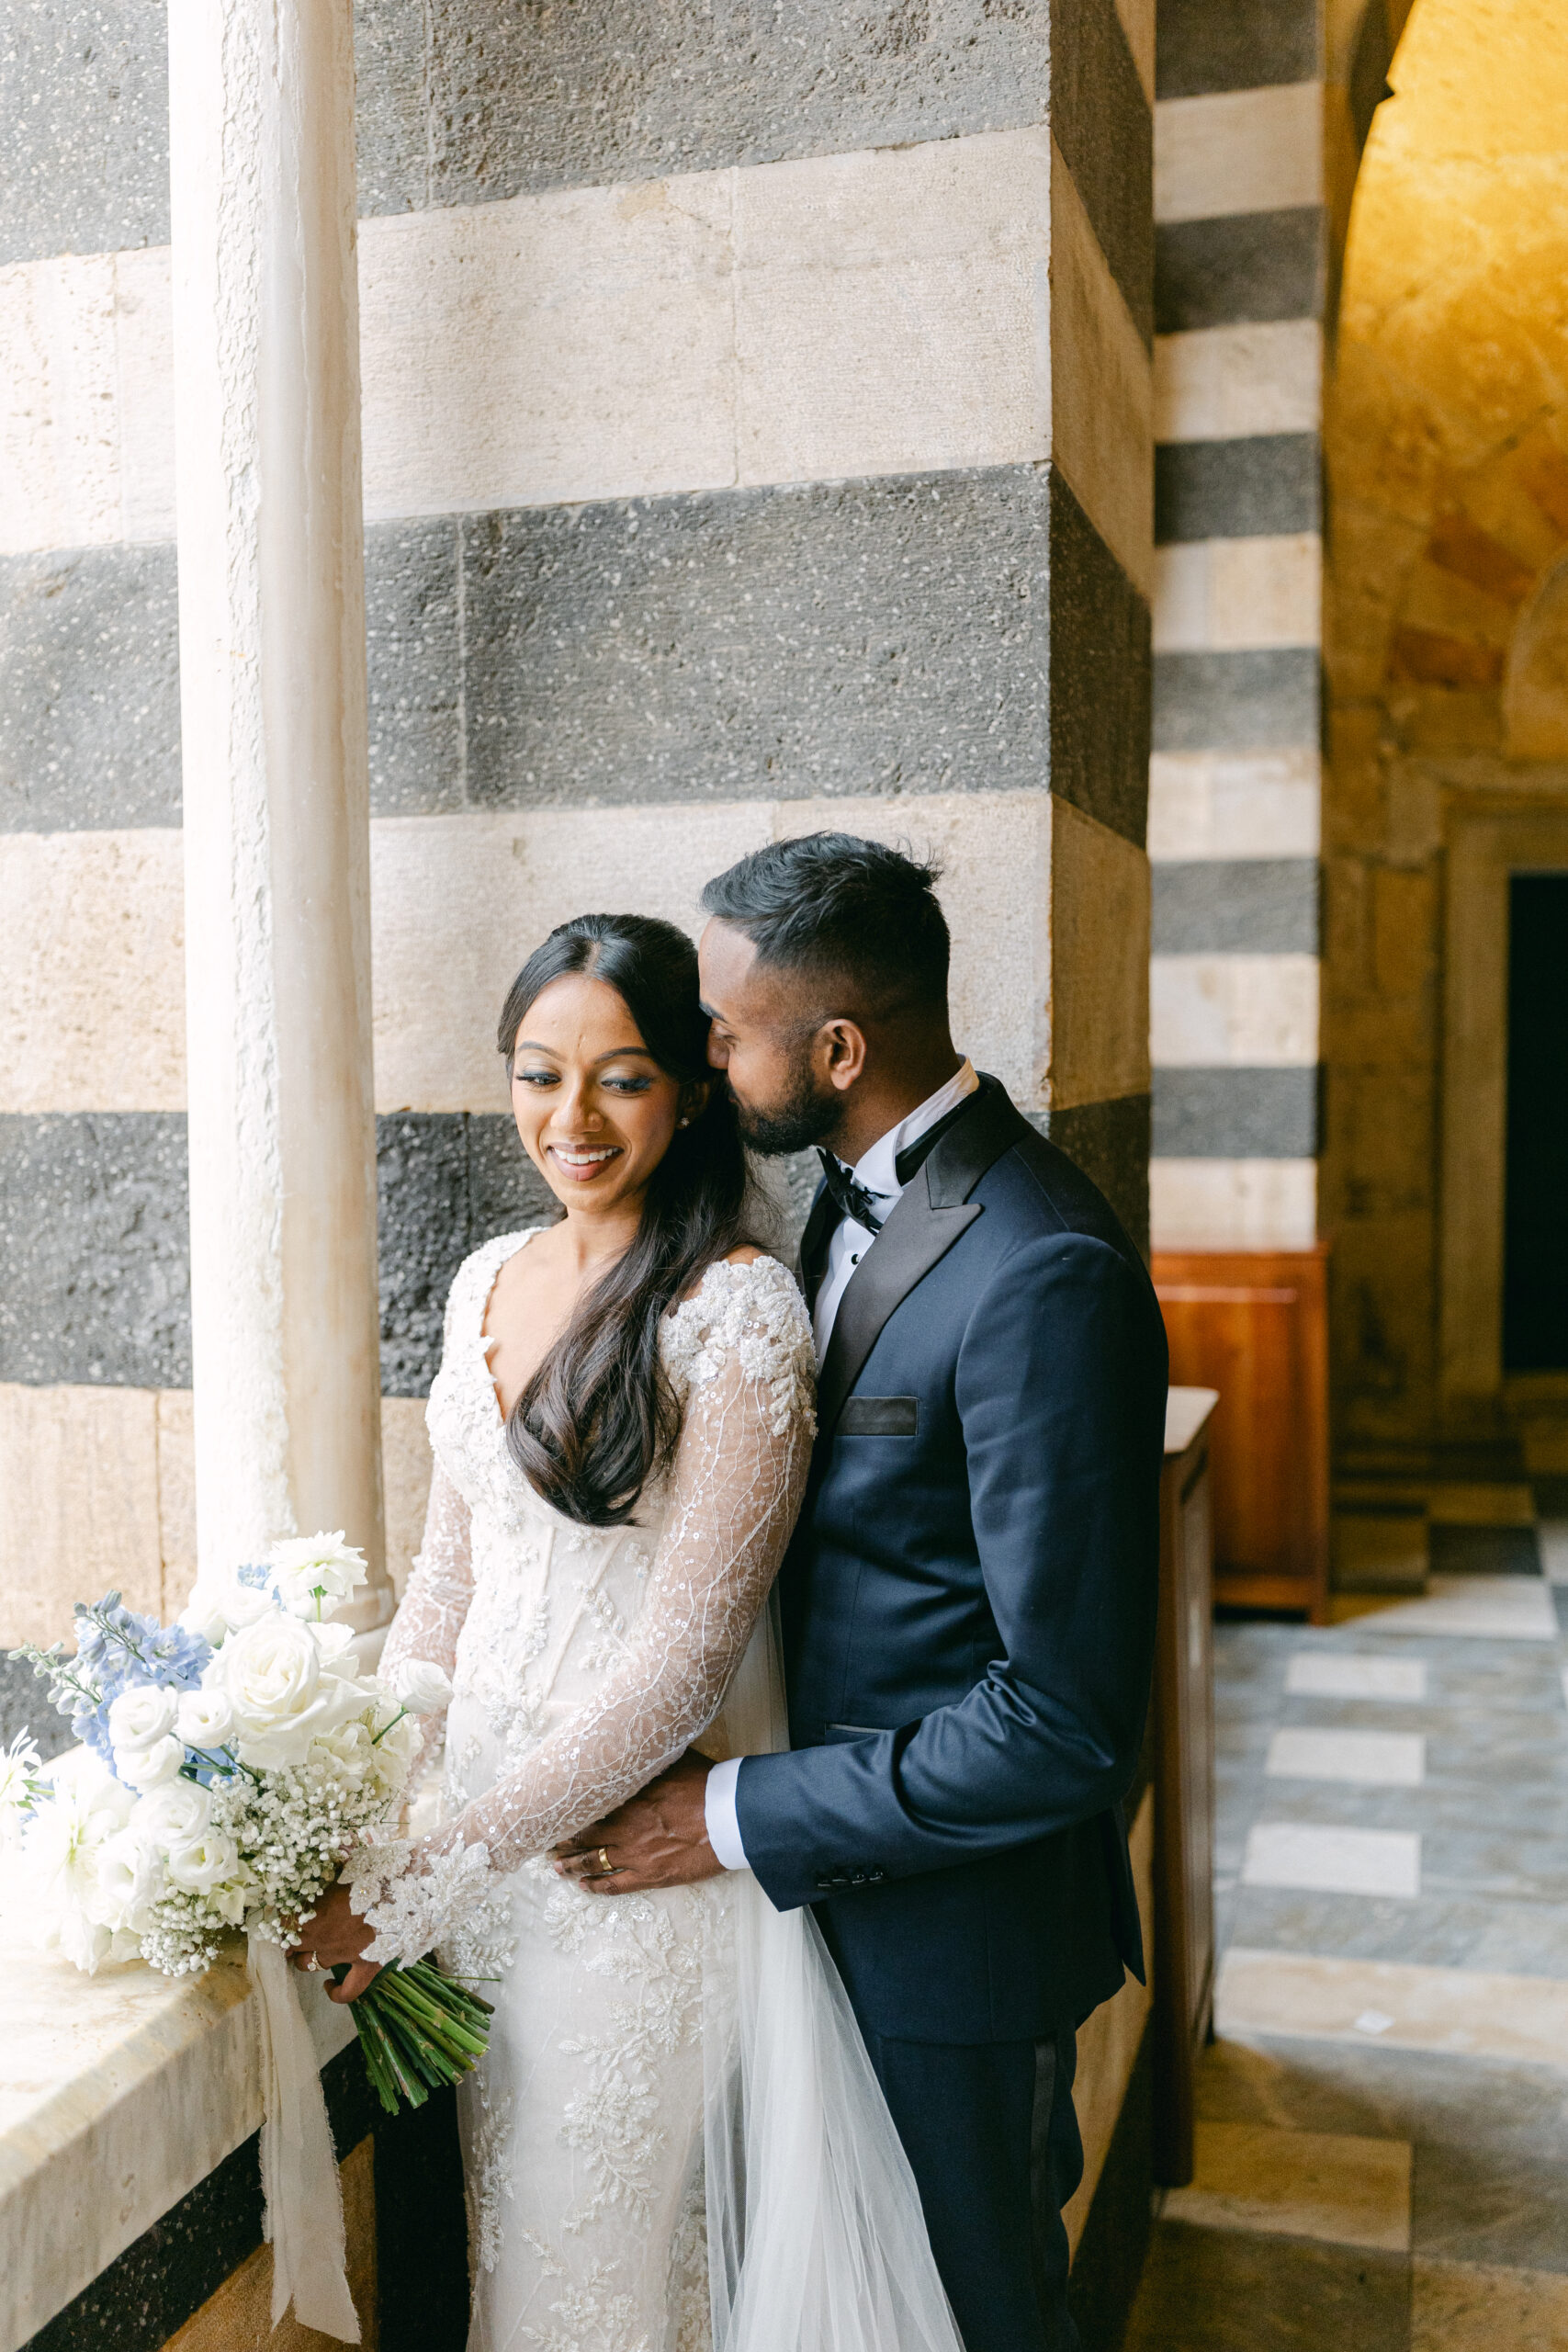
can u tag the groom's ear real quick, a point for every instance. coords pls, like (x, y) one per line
(840, 1052)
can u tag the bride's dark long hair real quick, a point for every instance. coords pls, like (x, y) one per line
(598, 1419)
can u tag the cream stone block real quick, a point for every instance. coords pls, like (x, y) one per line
(1225, 596)
(1109, 2039)
(1251, 1011)
(405, 1482)
(1230, 383)
(1234, 805)
(903, 309)
(891, 309)
(1098, 1043)
(144, 336)
(238, 2317)
(78, 1505)
(91, 974)
(1239, 150)
(1336, 2186)
(1233, 1204)
(1101, 387)
(58, 405)
(573, 344)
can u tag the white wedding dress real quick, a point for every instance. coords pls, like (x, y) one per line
(667, 2073)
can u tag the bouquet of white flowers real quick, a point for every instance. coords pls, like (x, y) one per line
(228, 1766)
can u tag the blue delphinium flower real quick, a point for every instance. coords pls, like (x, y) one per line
(116, 1649)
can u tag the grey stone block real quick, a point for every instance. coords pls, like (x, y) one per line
(89, 690)
(445, 1183)
(390, 106)
(84, 97)
(505, 1190)
(1268, 700)
(413, 658)
(1099, 674)
(1105, 130)
(1247, 266)
(534, 96)
(1255, 488)
(24, 1706)
(1110, 1141)
(828, 638)
(1235, 1113)
(1235, 45)
(95, 1240)
(1251, 906)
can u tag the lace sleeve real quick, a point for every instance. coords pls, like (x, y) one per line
(735, 1486)
(440, 1587)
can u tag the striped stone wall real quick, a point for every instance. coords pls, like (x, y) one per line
(757, 430)
(1246, 139)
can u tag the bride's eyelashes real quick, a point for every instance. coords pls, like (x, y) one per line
(538, 1079)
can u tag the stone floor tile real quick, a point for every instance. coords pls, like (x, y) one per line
(1331, 1674)
(1498, 2197)
(1496, 1607)
(1458, 2011)
(1336, 1858)
(1447, 1931)
(1374, 1758)
(1219, 2291)
(1477, 2307)
(1347, 2191)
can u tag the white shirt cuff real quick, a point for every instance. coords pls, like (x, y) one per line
(719, 1806)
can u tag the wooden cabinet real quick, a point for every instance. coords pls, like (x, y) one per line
(1184, 1780)
(1254, 1324)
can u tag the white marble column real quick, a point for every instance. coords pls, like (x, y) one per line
(277, 804)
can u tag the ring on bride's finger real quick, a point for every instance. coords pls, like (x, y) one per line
(605, 1864)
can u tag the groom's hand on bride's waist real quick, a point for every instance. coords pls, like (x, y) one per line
(657, 1839)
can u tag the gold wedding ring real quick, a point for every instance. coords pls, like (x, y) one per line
(605, 1864)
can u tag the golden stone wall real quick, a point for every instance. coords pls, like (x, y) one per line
(1448, 658)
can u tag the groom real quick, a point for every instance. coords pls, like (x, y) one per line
(968, 1601)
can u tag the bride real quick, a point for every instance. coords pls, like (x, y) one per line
(675, 2140)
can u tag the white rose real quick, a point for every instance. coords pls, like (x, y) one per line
(205, 1719)
(173, 1815)
(273, 1676)
(310, 1574)
(351, 1749)
(130, 1881)
(142, 1715)
(204, 1862)
(150, 1768)
(221, 1605)
(422, 1686)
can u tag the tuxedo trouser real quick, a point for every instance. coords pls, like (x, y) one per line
(991, 2134)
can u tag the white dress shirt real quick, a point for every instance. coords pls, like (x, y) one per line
(877, 1171)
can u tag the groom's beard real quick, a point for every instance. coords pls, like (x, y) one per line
(804, 1116)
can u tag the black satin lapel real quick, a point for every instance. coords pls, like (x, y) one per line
(914, 1238)
(813, 1245)
(930, 1214)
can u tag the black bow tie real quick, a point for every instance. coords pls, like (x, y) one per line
(851, 1200)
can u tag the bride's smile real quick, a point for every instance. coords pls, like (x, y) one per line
(595, 1111)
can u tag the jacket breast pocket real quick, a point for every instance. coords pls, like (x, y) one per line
(880, 1416)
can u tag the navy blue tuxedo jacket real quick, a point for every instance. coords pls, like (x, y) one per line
(968, 1601)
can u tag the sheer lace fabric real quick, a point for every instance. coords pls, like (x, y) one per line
(598, 1654)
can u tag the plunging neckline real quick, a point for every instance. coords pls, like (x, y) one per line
(493, 1338)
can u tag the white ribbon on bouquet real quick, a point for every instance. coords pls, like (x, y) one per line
(298, 2167)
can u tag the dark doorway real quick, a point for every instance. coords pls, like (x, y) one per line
(1535, 1242)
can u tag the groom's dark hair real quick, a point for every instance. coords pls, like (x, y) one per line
(842, 910)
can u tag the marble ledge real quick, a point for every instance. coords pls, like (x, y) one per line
(118, 2093)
